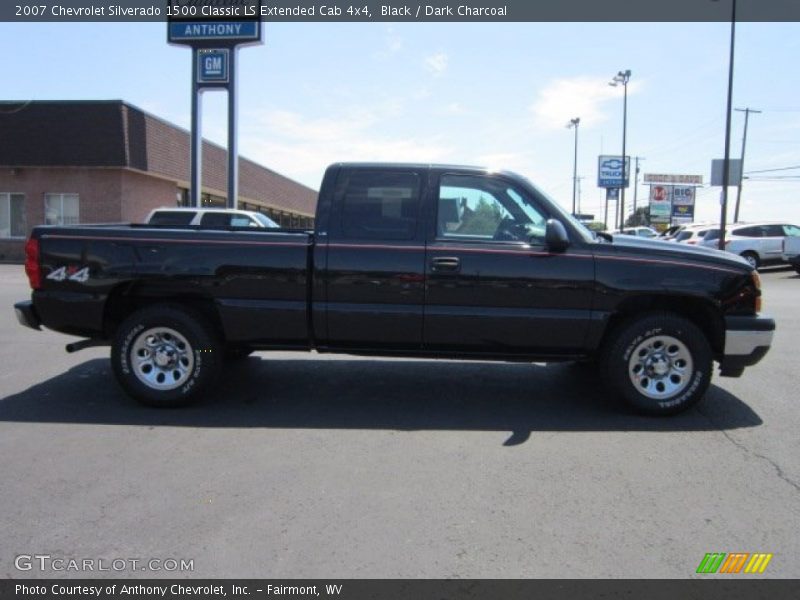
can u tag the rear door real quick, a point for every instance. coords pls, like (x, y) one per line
(493, 286)
(375, 273)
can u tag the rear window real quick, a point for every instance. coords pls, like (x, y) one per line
(683, 235)
(171, 217)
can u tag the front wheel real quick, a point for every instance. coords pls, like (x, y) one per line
(751, 258)
(165, 356)
(659, 363)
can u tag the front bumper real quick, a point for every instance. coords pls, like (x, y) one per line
(26, 315)
(747, 341)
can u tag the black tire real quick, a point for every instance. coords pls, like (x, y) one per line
(179, 356)
(752, 258)
(658, 362)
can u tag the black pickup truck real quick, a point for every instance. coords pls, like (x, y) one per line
(406, 260)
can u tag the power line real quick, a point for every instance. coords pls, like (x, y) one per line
(773, 170)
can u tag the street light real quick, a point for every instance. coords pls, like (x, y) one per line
(622, 78)
(573, 124)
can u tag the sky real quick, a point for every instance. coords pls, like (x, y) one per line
(491, 94)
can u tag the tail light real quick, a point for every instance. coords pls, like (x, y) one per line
(757, 285)
(32, 269)
(692, 242)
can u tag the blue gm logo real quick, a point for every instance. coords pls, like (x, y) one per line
(213, 66)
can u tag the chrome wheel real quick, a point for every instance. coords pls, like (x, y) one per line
(660, 367)
(162, 358)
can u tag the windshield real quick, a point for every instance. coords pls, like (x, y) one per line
(587, 234)
(265, 220)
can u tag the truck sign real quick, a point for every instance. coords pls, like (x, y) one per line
(609, 171)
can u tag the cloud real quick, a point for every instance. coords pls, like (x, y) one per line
(564, 99)
(393, 44)
(302, 146)
(456, 109)
(437, 63)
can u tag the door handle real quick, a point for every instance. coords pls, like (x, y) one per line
(446, 264)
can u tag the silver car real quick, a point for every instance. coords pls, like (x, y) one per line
(758, 243)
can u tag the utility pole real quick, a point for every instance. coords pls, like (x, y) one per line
(636, 182)
(573, 124)
(746, 112)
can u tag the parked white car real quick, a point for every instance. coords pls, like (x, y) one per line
(694, 234)
(645, 232)
(758, 243)
(209, 217)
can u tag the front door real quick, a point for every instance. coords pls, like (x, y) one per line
(492, 284)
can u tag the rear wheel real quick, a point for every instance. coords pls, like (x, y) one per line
(165, 356)
(659, 363)
(752, 258)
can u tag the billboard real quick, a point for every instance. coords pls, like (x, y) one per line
(609, 171)
(673, 179)
(660, 203)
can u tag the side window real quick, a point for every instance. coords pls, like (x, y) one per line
(172, 217)
(748, 232)
(475, 208)
(215, 219)
(792, 230)
(381, 205)
(242, 221)
(773, 231)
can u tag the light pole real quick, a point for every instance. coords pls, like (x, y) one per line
(573, 124)
(726, 167)
(622, 78)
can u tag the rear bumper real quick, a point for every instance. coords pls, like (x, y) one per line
(26, 315)
(747, 341)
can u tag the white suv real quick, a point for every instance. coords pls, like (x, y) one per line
(209, 218)
(758, 243)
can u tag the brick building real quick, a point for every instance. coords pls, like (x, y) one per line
(108, 161)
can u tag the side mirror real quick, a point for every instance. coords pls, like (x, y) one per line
(555, 236)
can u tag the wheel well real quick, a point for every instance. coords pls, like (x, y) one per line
(125, 299)
(700, 312)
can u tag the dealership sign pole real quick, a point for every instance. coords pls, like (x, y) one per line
(214, 41)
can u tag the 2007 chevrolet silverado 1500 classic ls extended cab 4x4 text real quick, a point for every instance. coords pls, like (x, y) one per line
(406, 260)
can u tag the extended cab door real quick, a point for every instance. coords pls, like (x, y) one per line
(493, 286)
(375, 260)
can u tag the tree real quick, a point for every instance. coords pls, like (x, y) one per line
(641, 216)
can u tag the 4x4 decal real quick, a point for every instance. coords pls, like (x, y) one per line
(70, 273)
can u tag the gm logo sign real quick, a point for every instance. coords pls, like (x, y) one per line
(213, 65)
(736, 562)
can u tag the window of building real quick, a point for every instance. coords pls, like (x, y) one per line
(12, 215)
(61, 209)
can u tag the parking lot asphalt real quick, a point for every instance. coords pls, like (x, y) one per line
(310, 466)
